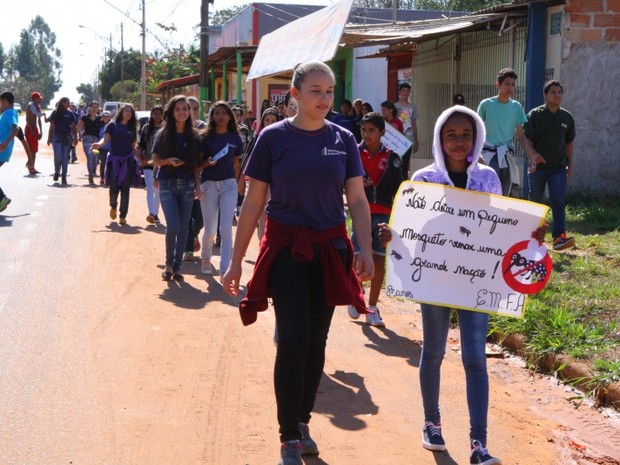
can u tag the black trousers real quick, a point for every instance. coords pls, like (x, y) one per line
(303, 320)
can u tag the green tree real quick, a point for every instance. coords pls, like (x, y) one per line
(219, 17)
(172, 64)
(131, 90)
(110, 74)
(87, 93)
(36, 60)
(2, 59)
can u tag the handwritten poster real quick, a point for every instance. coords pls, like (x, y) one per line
(395, 141)
(465, 249)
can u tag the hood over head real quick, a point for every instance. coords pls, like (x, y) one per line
(479, 139)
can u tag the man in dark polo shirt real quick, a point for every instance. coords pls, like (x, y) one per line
(551, 130)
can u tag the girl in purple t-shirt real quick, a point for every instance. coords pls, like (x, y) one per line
(308, 163)
(177, 154)
(121, 167)
(221, 146)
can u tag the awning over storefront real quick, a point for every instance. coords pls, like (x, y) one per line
(313, 37)
(420, 31)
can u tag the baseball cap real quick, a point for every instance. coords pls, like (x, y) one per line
(106, 113)
(35, 95)
(458, 99)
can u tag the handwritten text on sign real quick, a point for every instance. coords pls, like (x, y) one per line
(449, 247)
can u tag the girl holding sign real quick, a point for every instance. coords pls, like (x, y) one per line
(458, 140)
(222, 146)
(305, 258)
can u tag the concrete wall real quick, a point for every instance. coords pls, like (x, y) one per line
(590, 74)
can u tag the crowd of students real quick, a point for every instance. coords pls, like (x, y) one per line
(288, 174)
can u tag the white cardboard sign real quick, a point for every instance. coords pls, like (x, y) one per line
(465, 249)
(395, 140)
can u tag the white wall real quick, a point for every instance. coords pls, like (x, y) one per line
(590, 75)
(369, 77)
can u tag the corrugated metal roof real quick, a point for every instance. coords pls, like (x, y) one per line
(420, 31)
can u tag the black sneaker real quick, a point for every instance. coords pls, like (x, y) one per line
(290, 453)
(55, 176)
(308, 445)
(480, 455)
(562, 242)
(432, 438)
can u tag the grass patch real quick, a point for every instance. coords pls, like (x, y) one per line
(577, 314)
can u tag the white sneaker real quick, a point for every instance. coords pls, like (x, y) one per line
(352, 311)
(374, 319)
(207, 268)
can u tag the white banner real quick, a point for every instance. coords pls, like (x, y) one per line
(465, 249)
(395, 140)
(312, 37)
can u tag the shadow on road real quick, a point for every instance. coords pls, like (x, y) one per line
(343, 398)
(184, 295)
(6, 221)
(389, 343)
(443, 458)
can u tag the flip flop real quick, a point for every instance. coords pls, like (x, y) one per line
(166, 275)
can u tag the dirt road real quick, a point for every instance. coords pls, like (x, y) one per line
(103, 363)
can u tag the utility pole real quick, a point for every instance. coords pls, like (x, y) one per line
(143, 68)
(204, 83)
(122, 66)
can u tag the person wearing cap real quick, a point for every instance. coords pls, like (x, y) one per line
(408, 114)
(34, 129)
(458, 99)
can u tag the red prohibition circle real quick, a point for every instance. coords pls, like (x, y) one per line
(517, 270)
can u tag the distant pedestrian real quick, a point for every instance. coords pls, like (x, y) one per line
(34, 129)
(305, 259)
(408, 114)
(389, 112)
(145, 149)
(62, 137)
(122, 169)
(91, 125)
(177, 154)
(8, 131)
(76, 115)
(196, 222)
(503, 118)
(551, 130)
(106, 117)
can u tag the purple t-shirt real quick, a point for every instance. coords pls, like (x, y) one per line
(212, 143)
(121, 137)
(306, 171)
(64, 125)
(181, 172)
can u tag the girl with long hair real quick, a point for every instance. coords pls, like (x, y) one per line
(91, 124)
(121, 169)
(145, 149)
(221, 146)
(177, 153)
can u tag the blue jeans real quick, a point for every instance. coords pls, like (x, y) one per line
(61, 144)
(177, 197)
(218, 197)
(152, 193)
(556, 179)
(474, 327)
(91, 160)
